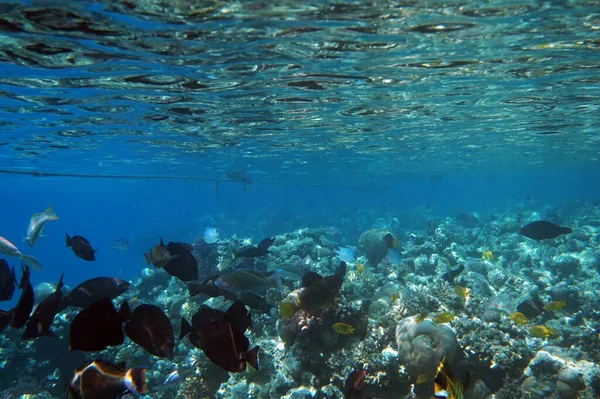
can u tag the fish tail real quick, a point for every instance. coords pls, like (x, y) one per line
(68, 240)
(125, 311)
(60, 284)
(186, 328)
(50, 215)
(252, 357)
(147, 256)
(275, 279)
(135, 379)
(30, 261)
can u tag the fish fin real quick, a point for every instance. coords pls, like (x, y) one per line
(50, 215)
(60, 284)
(251, 357)
(341, 270)
(68, 240)
(125, 311)
(148, 260)
(186, 328)
(30, 261)
(135, 379)
(275, 279)
(162, 244)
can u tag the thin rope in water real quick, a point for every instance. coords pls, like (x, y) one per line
(38, 173)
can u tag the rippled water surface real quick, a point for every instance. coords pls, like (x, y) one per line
(201, 87)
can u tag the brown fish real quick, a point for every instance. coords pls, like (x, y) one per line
(92, 290)
(150, 328)
(81, 247)
(26, 300)
(8, 281)
(159, 255)
(102, 380)
(96, 327)
(227, 347)
(184, 266)
(41, 319)
(353, 387)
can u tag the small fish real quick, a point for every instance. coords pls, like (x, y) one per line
(354, 384)
(8, 281)
(244, 280)
(393, 257)
(444, 317)
(36, 225)
(421, 379)
(210, 235)
(97, 327)
(542, 332)
(446, 385)
(120, 245)
(554, 305)
(254, 251)
(81, 247)
(43, 316)
(394, 298)
(541, 230)
(462, 292)
(159, 255)
(488, 255)
(151, 329)
(99, 379)
(172, 378)
(359, 268)
(343, 328)
(390, 241)
(346, 254)
(450, 275)
(88, 292)
(519, 318)
(421, 317)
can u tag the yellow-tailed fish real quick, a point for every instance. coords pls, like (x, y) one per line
(359, 268)
(519, 318)
(421, 316)
(421, 379)
(394, 298)
(488, 255)
(343, 328)
(462, 292)
(36, 225)
(288, 308)
(542, 332)
(554, 305)
(443, 317)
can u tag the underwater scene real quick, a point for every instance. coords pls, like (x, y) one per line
(300, 199)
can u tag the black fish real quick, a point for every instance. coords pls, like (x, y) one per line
(256, 302)
(208, 287)
(238, 316)
(96, 327)
(183, 265)
(8, 281)
(322, 291)
(92, 290)
(353, 387)
(102, 380)
(389, 240)
(450, 275)
(150, 328)
(227, 347)
(81, 247)
(5, 318)
(41, 319)
(541, 230)
(255, 251)
(26, 300)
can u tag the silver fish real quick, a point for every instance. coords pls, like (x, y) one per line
(36, 225)
(9, 249)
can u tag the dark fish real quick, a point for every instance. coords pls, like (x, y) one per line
(81, 247)
(209, 288)
(102, 380)
(8, 281)
(450, 275)
(531, 308)
(390, 241)
(150, 328)
(5, 318)
(41, 319)
(244, 280)
(92, 290)
(238, 316)
(255, 251)
(256, 302)
(227, 347)
(159, 255)
(541, 230)
(26, 300)
(184, 266)
(310, 278)
(353, 387)
(96, 327)
(322, 291)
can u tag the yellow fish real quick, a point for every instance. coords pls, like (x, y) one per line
(421, 379)
(519, 318)
(488, 255)
(421, 316)
(343, 328)
(462, 292)
(287, 309)
(443, 317)
(394, 298)
(542, 332)
(359, 268)
(554, 305)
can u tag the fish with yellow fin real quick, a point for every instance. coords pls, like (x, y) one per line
(461, 291)
(421, 379)
(488, 255)
(554, 305)
(444, 317)
(394, 298)
(421, 317)
(542, 332)
(519, 318)
(343, 328)
(360, 268)
(446, 385)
